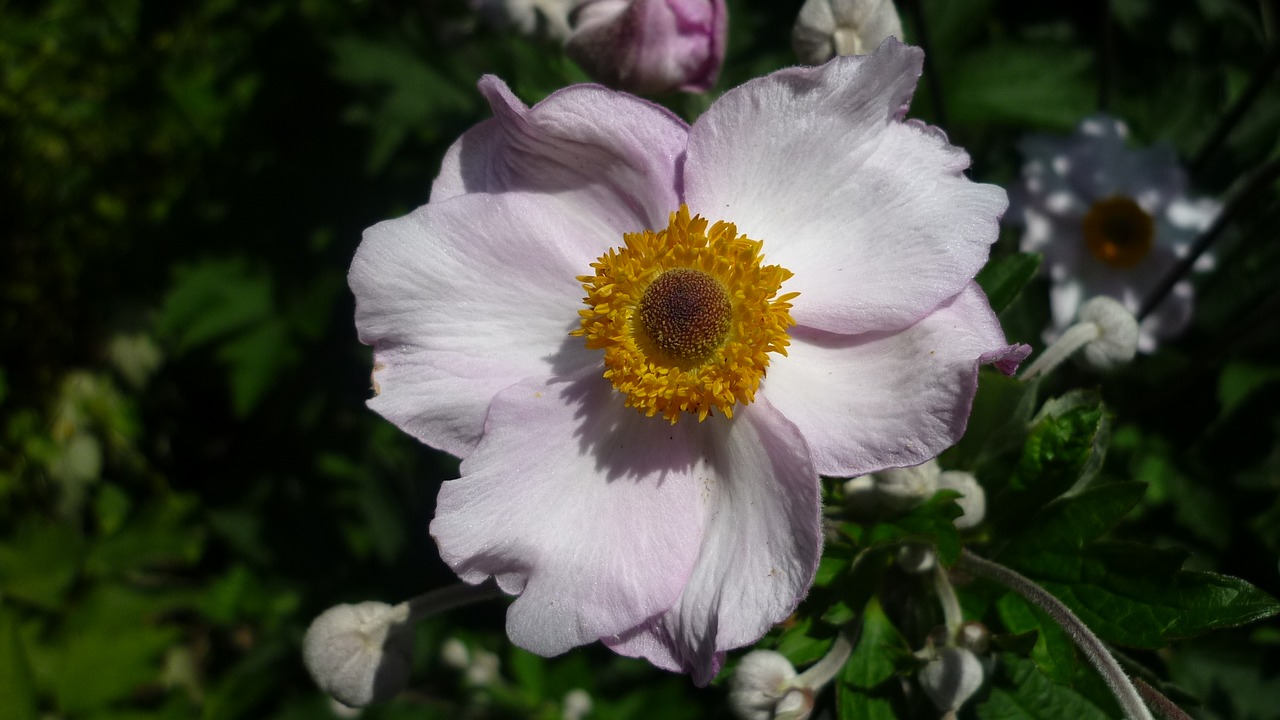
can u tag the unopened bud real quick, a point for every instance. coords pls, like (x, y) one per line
(1117, 340)
(761, 681)
(974, 636)
(826, 28)
(360, 653)
(576, 705)
(797, 704)
(951, 678)
(972, 500)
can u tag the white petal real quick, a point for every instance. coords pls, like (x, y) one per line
(584, 507)
(613, 154)
(874, 401)
(760, 546)
(463, 298)
(872, 214)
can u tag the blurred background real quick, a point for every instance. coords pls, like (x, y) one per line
(188, 474)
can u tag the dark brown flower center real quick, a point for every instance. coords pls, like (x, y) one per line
(1118, 232)
(686, 313)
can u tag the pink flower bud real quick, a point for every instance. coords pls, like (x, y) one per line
(650, 46)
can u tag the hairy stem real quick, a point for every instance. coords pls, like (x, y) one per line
(448, 598)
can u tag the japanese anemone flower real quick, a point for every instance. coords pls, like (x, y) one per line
(1110, 221)
(643, 470)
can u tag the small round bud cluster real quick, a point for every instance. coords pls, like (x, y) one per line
(360, 653)
(897, 490)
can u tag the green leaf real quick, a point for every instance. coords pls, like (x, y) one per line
(1072, 522)
(1046, 84)
(40, 563)
(998, 425)
(804, 643)
(1019, 691)
(212, 300)
(256, 359)
(111, 646)
(1129, 594)
(855, 704)
(1002, 279)
(874, 659)
(930, 523)
(1065, 449)
(863, 687)
(1054, 652)
(16, 684)
(1240, 381)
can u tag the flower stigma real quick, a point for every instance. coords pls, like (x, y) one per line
(1118, 232)
(686, 316)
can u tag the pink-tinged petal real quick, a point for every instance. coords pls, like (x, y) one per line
(612, 155)
(585, 508)
(463, 298)
(650, 46)
(873, 215)
(865, 403)
(760, 546)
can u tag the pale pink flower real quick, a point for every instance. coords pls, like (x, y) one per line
(678, 535)
(1110, 220)
(650, 46)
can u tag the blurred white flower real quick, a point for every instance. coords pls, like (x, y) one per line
(1110, 220)
(826, 28)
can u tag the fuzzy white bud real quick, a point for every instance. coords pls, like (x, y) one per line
(951, 678)
(972, 501)
(826, 28)
(360, 653)
(577, 704)
(760, 682)
(1117, 340)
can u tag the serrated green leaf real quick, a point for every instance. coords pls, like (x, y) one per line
(879, 644)
(112, 646)
(931, 524)
(1072, 522)
(1002, 279)
(1020, 692)
(1065, 447)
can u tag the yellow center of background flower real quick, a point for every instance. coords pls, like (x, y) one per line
(686, 317)
(1118, 232)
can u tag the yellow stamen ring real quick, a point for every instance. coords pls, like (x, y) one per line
(686, 316)
(1118, 232)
